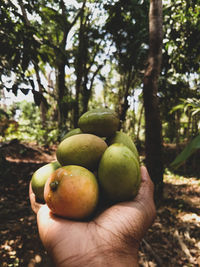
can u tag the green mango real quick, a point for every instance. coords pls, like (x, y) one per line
(123, 138)
(102, 122)
(40, 177)
(119, 173)
(82, 149)
(72, 132)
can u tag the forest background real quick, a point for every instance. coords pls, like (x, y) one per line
(137, 57)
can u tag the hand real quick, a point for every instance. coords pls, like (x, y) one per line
(110, 239)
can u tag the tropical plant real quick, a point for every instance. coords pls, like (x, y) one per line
(190, 149)
(192, 107)
(189, 107)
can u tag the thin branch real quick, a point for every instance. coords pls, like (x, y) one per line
(20, 2)
(70, 25)
(183, 246)
(94, 75)
(153, 253)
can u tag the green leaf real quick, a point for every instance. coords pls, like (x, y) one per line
(195, 112)
(24, 91)
(192, 147)
(14, 89)
(177, 107)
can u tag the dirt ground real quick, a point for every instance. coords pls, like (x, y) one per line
(173, 239)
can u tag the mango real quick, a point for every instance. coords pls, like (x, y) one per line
(72, 192)
(72, 132)
(40, 177)
(119, 173)
(123, 138)
(83, 149)
(102, 122)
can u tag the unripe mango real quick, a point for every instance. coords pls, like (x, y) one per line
(102, 122)
(123, 138)
(119, 173)
(72, 132)
(83, 149)
(40, 177)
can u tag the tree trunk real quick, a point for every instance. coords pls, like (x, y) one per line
(153, 127)
(84, 62)
(43, 109)
(171, 131)
(87, 89)
(79, 65)
(123, 107)
(61, 91)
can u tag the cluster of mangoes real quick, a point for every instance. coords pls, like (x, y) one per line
(94, 161)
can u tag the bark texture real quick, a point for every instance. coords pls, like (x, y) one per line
(153, 131)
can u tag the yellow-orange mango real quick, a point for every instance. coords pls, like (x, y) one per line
(72, 192)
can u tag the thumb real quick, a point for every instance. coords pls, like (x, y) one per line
(34, 204)
(146, 191)
(145, 197)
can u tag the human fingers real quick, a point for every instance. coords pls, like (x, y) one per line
(146, 191)
(145, 197)
(34, 204)
(61, 236)
(132, 217)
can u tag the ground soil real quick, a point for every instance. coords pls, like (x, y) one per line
(173, 239)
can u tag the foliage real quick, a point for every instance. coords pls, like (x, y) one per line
(7, 124)
(180, 64)
(87, 55)
(28, 125)
(181, 30)
(63, 52)
(189, 110)
(191, 148)
(19, 47)
(127, 28)
(191, 105)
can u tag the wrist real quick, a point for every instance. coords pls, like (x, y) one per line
(98, 259)
(123, 259)
(116, 249)
(101, 248)
(124, 255)
(108, 254)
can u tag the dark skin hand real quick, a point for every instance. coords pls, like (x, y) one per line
(110, 239)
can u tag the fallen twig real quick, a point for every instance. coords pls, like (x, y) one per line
(183, 246)
(158, 260)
